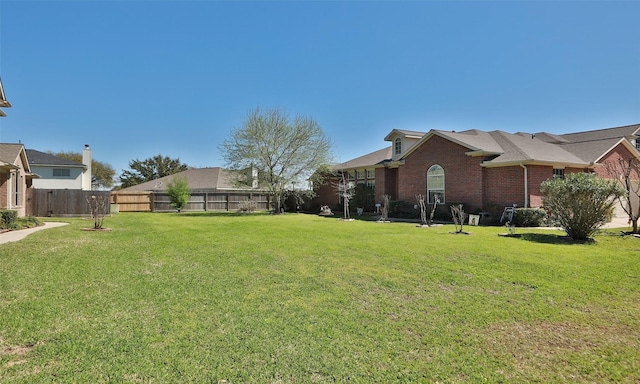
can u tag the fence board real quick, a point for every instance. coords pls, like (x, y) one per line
(61, 202)
(200, 200)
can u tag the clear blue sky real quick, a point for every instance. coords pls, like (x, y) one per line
(138, 78)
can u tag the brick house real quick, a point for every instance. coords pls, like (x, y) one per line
(481, 169)
(15, 177)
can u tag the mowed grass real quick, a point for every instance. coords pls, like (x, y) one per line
(214, 298)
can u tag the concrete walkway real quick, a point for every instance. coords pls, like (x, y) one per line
(10, 236)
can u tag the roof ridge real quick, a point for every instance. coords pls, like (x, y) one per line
(504, 134)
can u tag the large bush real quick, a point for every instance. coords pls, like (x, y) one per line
(581, 202)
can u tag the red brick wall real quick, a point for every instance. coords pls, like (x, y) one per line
(462, 173)
(504, 186)
(537, 174)
(326, 194)
(620, 151)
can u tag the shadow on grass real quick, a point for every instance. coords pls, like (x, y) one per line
(550, 238)
(222, 214)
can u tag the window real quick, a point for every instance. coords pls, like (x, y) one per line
(351, 175)
(638, 144)
(61, 172)
(17, 190)
(371, 174)
(435, 184)
(558, 173)
(398, 146)
(360, 175)
(371, 183)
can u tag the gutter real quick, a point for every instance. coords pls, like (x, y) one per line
(526, 186)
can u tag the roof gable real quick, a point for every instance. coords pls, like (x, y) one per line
(11, 154)
(3, 99)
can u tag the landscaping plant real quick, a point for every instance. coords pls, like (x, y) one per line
(580, 202)
(179, 192)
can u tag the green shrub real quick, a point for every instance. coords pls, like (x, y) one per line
(363, 197)
(581, 202)
(530, 217)
(8, 218)
(403, 210)
(179, 192)
(26, 222)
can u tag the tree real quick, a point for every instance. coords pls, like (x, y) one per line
(179, 192)
(626, 171)
(102, 174)
(283, 150)
(580, 202)
(150, 169)
(345, 189)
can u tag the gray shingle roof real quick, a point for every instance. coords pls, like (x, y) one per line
(42, 158)
(627, 131)
(577, 149)
(473, 139)
(512, 147)
(591, 151)
(521, 148)
(197, 178)
(9, 152)
(367, 160)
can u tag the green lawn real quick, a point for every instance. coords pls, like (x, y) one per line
(214, 298)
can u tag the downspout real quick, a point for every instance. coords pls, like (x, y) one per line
(526, 186)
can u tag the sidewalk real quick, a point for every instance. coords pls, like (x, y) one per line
(10, 236)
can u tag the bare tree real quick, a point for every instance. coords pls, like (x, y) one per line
(626, 171)
(423, 209)
(282, 149)
(385, 208)
(436, 201)
(459, 216)
(98, 206)
(345, 190)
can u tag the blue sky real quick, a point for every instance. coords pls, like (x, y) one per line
(139, 78)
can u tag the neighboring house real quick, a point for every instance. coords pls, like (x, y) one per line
(15, 177)
(211, 189)
(3, 100)
(213, 178)
(58, 173)
(483, 170)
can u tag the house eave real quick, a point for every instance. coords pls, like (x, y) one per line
(8, 167)
(482, 153)
(490, 164)
(393, 163)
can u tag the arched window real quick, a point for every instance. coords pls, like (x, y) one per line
(398, 146)
(435, 185)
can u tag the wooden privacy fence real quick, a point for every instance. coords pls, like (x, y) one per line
(200, 200)
(61, 202)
